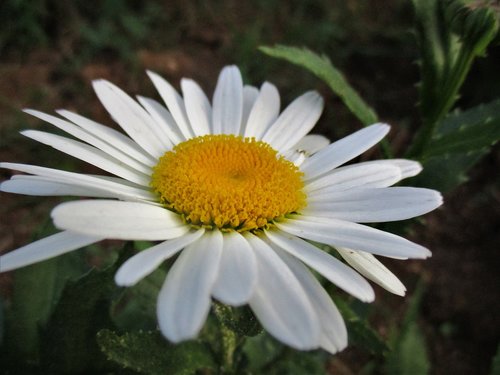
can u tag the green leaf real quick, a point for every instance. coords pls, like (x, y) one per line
(444, 173)
(360, 333)
(450, 36)
(495, 363)
(30, 307)
(136, 307)
(414, 306)
(260, 351)
(69, 337)
(466, 140)
(409, 353)
(461, 140)
(322, 67)
(458, 120)
(295, 362)
(150, 353)
(36, 290)
(265, 355)
(234, 323)
(410, 356)
(241, 320)
(470, 131)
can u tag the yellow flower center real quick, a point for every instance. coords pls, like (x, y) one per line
(228, 182)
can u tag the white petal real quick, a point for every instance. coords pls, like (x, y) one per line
(88, 154)
(146, 261)
(333, 330)
(198, 107)
(295, 121)
(111, 136)
(296, 157)
(85, 136)
(336, 232)
(130, 116)
(279, 301)
(174, 103)
(344, 150)
(160, 129)
(228, 102)
(40, 186)
(374, 205)
(250, 95)
(120, 181)
(238, 271)
(45, 248)
(311, 143)
(408, 168)
(264, 111)
(325, 264)
(184, 299)
(118, 220)
(120, 190)
(372, 269)
(354, 176)
(163, 117)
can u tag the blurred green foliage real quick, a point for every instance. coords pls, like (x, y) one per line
(450, 35)
(83, 28)
(24, 25)
(409, 350)
(150, 353)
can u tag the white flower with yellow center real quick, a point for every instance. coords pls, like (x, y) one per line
(238, 189)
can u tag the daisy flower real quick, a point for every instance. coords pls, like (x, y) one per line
(240, 191)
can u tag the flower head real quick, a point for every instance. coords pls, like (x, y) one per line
(238, 190)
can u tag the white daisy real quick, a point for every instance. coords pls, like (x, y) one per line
(238, 189)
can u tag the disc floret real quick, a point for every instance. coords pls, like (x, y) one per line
(228, 182)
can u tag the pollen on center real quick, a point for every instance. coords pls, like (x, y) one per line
(228, 182)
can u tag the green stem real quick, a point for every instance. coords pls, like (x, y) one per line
(386, 149)
(448, 96)
(229, 343)
(229, 338)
